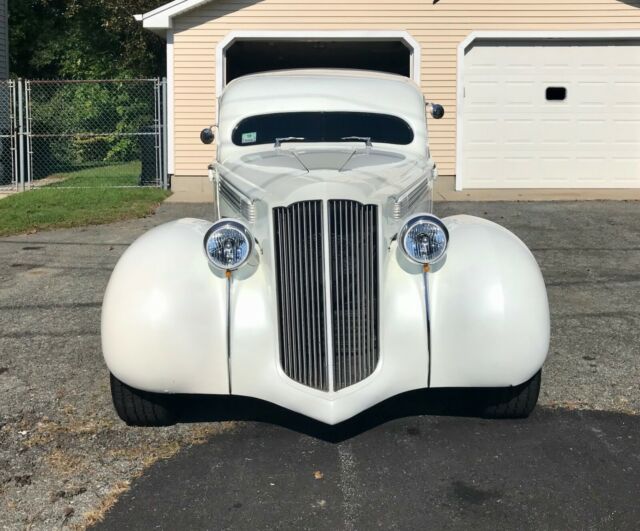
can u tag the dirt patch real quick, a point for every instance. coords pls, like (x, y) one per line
(65, 457)
(66, 472)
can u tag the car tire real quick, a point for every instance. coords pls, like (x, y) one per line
(512, 402)
(141, 408)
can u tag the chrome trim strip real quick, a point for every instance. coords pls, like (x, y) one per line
(403, 203)
(329, 302)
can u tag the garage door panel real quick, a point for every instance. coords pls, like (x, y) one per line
(519, 95)
(482, 93)
(588, 171)
(519, 169)
(590, 94)
(483, 132)
(624, 94)
(627, 131)
(485, 167)
(513, 136)
(517, 132)
(624, 171)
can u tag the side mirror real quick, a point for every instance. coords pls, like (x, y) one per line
(436, 110)
(207, 136)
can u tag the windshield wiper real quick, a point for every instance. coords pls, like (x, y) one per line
(293, 153)
(365, 139)
(280, 141)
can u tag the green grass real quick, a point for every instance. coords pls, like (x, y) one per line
(85, 203)
(125, 174)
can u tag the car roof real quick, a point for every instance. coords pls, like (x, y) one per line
(323, 90)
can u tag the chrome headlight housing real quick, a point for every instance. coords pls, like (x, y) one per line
(424, 239)
(228, 244)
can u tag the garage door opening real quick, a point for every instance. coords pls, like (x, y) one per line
(243, 57)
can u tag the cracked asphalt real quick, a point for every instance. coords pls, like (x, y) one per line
(65, 458)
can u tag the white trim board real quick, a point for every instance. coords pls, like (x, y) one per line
(170, 104)
(465, 45)
(373, 35)
(161, 18)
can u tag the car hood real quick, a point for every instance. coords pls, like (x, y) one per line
(283, 176)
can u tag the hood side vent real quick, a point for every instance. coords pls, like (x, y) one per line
(404, 203)
(237, 199)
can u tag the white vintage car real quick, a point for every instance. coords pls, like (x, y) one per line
(324, 283)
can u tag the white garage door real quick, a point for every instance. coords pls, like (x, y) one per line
(556, 115)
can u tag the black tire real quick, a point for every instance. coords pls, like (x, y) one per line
(512, 402)
(141, 408)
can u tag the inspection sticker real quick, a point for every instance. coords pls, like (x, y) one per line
(249, 138)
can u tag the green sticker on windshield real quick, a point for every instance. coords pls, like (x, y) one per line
(249, 138)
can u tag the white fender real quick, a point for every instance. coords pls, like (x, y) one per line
(164, 314)
(489, 309)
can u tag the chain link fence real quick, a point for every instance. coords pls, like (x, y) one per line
(83, 134)
(8, 160)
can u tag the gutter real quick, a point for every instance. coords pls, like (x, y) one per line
(161, 32)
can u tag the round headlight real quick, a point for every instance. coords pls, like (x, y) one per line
(424, 239)
(228, 244)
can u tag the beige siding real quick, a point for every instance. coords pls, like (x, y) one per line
(438, 28)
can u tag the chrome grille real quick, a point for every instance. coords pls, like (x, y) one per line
(353, 284)
(353, 239)
(301, 299)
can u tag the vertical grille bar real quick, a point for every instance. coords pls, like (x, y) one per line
(298, 239)
(354, 281)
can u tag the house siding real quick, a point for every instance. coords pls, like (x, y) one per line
(438, 28)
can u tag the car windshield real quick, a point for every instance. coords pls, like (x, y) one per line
(322, 127)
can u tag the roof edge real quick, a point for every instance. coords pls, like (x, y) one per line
(161, 18)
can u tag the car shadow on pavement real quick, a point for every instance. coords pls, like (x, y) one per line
(449, 402)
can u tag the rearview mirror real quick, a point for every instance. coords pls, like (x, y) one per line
(436, 110)
(207, 136)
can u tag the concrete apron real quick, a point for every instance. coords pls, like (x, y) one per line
(445, 191)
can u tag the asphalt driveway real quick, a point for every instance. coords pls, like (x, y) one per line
(559, 470)
(65, 458)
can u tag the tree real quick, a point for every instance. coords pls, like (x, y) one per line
(83, 39)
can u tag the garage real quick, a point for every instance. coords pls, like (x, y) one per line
(502, 127)
(549, 112)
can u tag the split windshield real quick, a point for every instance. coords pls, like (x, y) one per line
(322, 127)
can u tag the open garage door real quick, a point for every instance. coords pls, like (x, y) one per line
(249, 57)
(550, 113)
(243, 53)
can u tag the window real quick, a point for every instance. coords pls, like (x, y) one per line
(556, 93)
(322, 127)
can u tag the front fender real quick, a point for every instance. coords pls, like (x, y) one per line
(164, 322)
(489, 309)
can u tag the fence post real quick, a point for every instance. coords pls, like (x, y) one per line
(28, 132)
(21, 150)
(15, 161)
